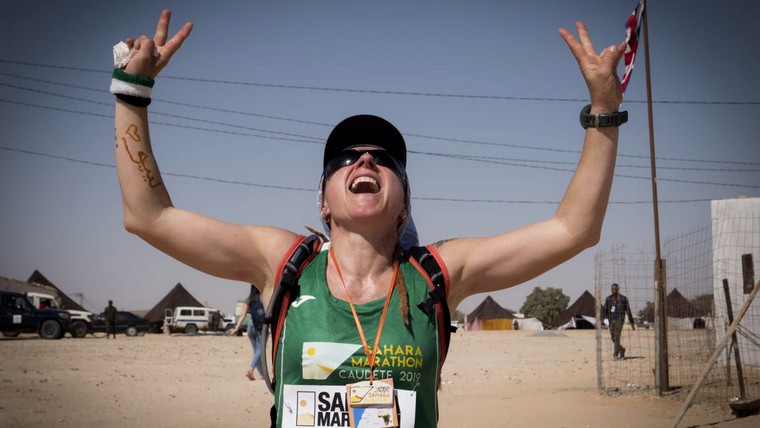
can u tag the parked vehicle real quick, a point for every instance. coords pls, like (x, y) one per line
(642, 323)
(239, 313)
(81, 321)
(19, 315)
(191, 319)
(126, 322)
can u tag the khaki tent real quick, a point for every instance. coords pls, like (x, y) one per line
(18, 286)
(580, 315)
(177, 296)
(489, 315)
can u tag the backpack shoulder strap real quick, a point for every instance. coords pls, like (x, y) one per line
(427, 261)
(293, 263)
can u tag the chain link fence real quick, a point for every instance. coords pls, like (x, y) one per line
(702, 267)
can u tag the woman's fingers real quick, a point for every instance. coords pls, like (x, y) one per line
(575, 48)
(152, 55)
(162, 29)
(166, 49)
(598, 70)
(583, 35)
(610, 58)
(174, 44)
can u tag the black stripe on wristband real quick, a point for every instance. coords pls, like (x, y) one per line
(134, 101)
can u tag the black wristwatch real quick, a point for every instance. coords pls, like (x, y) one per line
(602, 120)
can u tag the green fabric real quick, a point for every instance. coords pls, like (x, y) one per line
(410, 356)
(134, 79)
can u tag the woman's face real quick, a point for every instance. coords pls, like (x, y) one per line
(365, 192)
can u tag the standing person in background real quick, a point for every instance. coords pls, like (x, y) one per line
(110, 314)
(255, 309)
(615, 307)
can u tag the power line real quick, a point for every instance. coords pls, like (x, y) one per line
(304, 138)
(438, 154)
(316, 139)
(311, 190)
(498, 158)
(456, 140)
(222, 110)
(173, 174)
(198, 128)
(616, 175)
(379, 92)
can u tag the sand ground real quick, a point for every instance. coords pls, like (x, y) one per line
(491, 379)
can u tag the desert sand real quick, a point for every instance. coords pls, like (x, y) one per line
(491, 379)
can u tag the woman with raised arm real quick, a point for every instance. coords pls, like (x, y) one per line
(355, 322)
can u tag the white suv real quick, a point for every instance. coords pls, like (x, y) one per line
(81, 321)
(191, 319)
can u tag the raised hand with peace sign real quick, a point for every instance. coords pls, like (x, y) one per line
(150, 56)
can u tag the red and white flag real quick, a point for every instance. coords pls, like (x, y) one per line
(632, 30)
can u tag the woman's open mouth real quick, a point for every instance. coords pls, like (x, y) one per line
(364, 185)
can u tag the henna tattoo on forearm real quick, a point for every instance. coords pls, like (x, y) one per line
(440, 243)
(140, 158)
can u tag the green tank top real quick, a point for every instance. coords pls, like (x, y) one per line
(320, 352)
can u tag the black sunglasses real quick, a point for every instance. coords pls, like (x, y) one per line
(349, 157)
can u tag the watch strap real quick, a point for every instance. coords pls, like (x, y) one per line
(602, 120)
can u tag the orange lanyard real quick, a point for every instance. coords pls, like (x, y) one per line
(370, 355)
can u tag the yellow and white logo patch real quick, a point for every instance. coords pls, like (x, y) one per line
(320, 359)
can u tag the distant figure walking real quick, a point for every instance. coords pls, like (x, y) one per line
(255, 309)
(110, 314)
(615, 308)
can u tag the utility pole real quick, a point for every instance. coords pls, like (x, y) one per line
(660, 285)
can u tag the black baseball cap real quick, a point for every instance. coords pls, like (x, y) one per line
(365, 130)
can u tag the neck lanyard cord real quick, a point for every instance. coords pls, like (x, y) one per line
(370, 355)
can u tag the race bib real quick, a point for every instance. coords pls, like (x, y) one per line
(328, 406)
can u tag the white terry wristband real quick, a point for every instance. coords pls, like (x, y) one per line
(131, 84)
(121, 87)
(131, 88)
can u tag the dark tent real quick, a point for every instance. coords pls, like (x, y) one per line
(578, 315)
(178, 296)
(66, 302)
(679, 306)
(489, 315)
(682, 314)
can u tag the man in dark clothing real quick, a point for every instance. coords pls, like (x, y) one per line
(110, 314)
(615, 307)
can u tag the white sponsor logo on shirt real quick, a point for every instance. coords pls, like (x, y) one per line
(301, 299)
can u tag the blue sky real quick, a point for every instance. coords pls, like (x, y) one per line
(249, 99)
